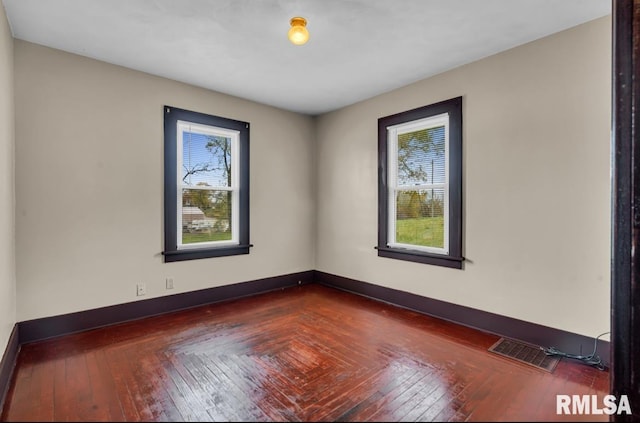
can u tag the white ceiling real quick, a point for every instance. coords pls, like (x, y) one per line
(357, 48)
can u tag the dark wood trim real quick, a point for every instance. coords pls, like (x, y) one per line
(49, 327)
(421, 257)
(487, 322)
(625, 193)
(182, 255)
(454, 259)
(171, 252)
(170, 184)
(8, 363)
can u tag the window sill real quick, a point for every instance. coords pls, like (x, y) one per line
(200, 253)
(420, 257)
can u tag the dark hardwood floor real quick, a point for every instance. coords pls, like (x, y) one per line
(309, 353)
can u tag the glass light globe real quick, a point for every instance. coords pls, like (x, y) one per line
(298, 34)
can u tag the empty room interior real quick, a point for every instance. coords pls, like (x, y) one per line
(202, 220)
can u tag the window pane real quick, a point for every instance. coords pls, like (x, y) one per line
(420, 217)
(206, 160)
(421, 157)
(206, 215)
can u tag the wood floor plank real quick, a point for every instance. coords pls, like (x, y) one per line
(384, 408)
(64, 396)
(42, 400)
(134, 402)
(104, 393)
(308, 353)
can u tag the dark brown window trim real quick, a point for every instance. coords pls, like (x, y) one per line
(455, 258)
(171, 252)
(421, 257)
(625, 207)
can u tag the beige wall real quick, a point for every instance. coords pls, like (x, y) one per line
(7, 189)
(536, 142)
(89, 185)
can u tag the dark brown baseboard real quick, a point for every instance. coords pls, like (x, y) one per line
(49, 327)
(496, 324)
(8, 363)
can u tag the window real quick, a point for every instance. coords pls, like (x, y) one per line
(206, 203)
(420, 185)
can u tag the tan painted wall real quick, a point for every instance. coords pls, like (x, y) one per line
(89, 184)
(536, 142)
(7, 188)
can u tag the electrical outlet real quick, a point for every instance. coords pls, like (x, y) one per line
(142, 289)
(169, 283)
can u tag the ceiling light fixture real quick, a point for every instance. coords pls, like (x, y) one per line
(298, 34)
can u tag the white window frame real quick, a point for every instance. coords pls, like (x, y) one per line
(234, 136)
(393, 132)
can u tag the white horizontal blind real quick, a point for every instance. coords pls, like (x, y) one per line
(418, 181)
(208, 200)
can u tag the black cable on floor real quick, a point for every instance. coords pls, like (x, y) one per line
(591, 359)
